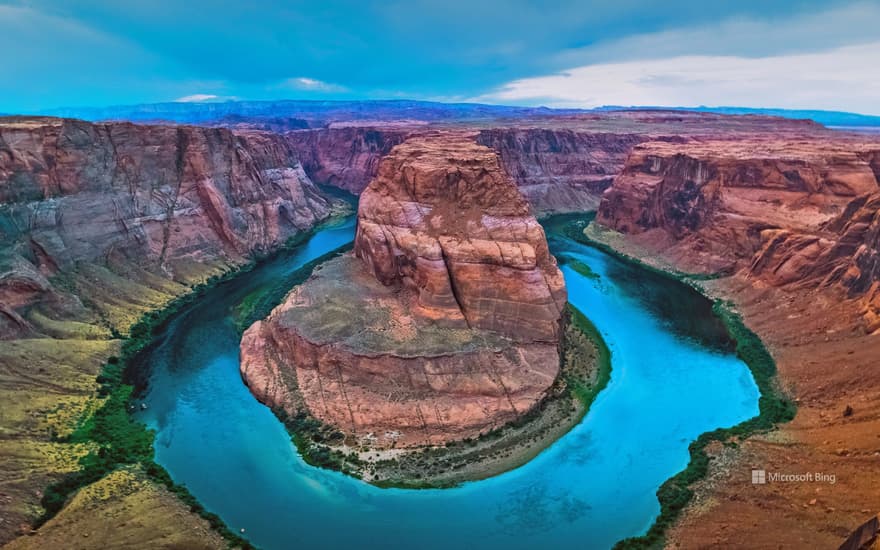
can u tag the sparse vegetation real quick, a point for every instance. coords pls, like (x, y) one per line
(573, 228)
(585, 370)
(581, 268)
(258, 304)
(119, 440)
(775, 407)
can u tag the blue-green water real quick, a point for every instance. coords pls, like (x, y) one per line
(592, 488)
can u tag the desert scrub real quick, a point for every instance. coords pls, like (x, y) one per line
(114, 437)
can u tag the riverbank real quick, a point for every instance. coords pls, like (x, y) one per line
(99, 438)
(585, 370)
(776, 406)
(668, 389)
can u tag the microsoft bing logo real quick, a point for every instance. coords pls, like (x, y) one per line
(759, 477)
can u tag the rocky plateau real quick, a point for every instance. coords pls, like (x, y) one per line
(442, 324)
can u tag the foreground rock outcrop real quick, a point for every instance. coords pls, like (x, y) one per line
(442, 324)
(166, 199)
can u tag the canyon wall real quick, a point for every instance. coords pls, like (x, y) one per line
(557, 170)
(345, 157)
(443, 324)
(561, 170)
(165, 199)
(788, 213)
(790, 223)
(713, 201)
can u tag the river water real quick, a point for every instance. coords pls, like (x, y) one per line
(673, 378)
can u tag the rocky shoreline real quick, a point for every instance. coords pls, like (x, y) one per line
(585, 370)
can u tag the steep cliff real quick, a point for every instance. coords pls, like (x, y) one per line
(557, 170)
(346, 157)
(844, 253)
(159, 198)
(710, 201)
(444, 218)
(561, 170)
(443, 324)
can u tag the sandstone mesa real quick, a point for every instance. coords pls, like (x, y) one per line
(442, 324)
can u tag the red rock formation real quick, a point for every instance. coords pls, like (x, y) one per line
(844, 253)
(160, 196)
(443, 218)
(711, 201)
(345, 157)
(445, 325)
(796, 218)
(561, 170)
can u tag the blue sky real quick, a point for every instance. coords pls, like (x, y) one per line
(783, 53)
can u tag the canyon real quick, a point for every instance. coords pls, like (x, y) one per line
(102, 222)
(785, 227)
(82, 201)
(441, 325)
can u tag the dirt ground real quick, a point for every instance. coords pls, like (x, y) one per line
(833, 370)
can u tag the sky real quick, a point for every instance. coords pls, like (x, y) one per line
(802, 54)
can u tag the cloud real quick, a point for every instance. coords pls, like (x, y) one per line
(197, 98)
(61, 61)
(311, 85)
(840, 78)
(815, 30)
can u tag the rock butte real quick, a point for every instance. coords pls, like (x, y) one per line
(443, 323)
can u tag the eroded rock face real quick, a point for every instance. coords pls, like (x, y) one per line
(561, 170)
(789, 213)
(711, 200)
(345, 157)
(443, 323)
(443, 218)
(158, 197)
(844, 254)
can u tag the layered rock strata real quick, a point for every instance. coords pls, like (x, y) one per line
(712, 205)
(561, 170)
(793, 222)
(442, 324)
(159, 198)
(345, 157)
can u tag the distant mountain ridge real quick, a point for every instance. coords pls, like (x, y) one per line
(826, 118)
(316, 113)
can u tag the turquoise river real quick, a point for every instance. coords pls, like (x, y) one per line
(673, 378)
